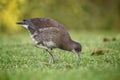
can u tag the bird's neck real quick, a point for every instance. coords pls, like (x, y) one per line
(69, 45)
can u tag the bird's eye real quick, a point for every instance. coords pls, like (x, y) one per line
(77, 50)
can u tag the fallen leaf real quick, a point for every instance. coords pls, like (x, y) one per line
(106, 39)
(100, 52)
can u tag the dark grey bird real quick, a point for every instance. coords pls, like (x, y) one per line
(48, 34)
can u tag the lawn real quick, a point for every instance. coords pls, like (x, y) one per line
(21, 60)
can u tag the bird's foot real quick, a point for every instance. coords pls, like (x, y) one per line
(51, 61)
(36, 46)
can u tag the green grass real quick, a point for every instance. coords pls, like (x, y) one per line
(20, 60)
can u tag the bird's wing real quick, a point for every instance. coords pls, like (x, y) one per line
(57, 35)
(40, 23)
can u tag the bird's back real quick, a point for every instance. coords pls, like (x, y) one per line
(45, 23)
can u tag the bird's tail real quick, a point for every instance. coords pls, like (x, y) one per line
(26, 23)
(21, 23)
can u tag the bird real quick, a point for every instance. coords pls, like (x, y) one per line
(48, 34)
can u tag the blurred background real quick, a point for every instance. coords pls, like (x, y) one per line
(75, 15)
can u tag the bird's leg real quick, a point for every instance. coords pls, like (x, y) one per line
(49, 51)
(51, 54)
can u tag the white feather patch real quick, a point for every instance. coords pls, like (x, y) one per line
(49, 43)
(26, 26)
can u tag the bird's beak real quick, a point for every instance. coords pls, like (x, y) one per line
(78, 53)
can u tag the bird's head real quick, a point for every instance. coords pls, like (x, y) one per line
(77, 48)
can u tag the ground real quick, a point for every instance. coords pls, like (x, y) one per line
(21, 60)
